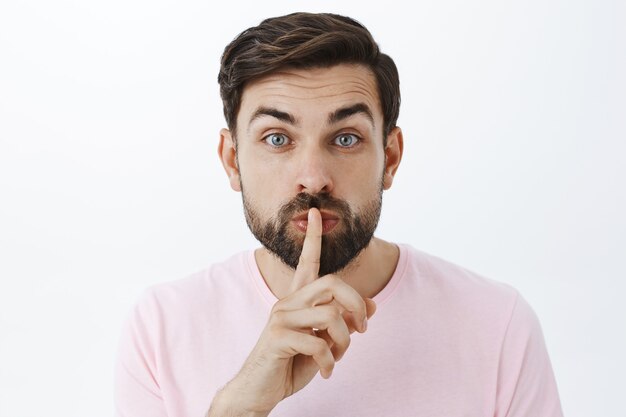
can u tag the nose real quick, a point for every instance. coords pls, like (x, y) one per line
(314, 171)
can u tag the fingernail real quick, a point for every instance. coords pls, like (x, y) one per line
(364, 325)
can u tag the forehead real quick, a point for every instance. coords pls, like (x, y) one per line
(302, 89)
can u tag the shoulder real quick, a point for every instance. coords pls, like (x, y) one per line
(207, 285)
(459, 291)
(440, 274)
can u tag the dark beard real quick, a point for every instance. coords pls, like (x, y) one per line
(339, 247)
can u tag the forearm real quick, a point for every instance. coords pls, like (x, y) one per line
(226, 405)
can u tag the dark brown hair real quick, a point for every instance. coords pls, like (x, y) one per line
(305, 40)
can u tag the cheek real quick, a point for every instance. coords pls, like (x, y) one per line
(264, 188)
(268, 176)
(263, 180)
(361, 187)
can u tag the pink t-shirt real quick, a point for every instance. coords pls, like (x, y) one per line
(444, 342)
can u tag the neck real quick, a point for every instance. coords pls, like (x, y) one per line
(368, 273)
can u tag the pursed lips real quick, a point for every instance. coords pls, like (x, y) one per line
(329, 221)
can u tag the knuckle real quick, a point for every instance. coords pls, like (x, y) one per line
(363, 306)
(277, 319)
(332, 313)
(330, 279)
(320, 348)
(304, 259)
(327, 283)
(343, 346)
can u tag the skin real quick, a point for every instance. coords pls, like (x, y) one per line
(310, 158)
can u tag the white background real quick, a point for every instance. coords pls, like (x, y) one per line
(514, 122)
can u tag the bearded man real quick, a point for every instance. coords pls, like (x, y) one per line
(311, 105)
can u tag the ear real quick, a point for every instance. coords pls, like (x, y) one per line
(393, 155)
(228, 155)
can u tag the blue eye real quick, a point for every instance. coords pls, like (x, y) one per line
(276, 139)
(346, 140)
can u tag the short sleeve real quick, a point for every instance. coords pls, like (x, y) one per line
(526, 383)
(137, 392)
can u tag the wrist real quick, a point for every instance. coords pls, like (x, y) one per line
(227, 403)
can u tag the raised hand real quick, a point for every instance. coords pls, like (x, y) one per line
(307, 331)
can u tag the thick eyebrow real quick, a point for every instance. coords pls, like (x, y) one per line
(345, 112)
(273, 112)
(335, 117)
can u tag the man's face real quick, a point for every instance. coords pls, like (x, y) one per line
(311, 138)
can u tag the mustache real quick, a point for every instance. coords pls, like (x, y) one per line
(305, 201)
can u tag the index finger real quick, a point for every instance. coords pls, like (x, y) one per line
(309, 263)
